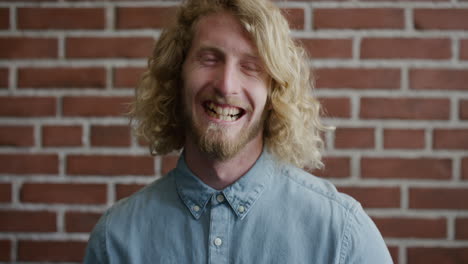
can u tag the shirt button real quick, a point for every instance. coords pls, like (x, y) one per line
(220, 198)
(196, 208)
(218, 242)
(241, 209)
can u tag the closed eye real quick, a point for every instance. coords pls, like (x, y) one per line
(208, 57)
(251, 68)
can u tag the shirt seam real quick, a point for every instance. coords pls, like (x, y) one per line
(315, 190)
(104, 241)
(346, 233)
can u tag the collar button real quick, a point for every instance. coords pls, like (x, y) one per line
(220, 198)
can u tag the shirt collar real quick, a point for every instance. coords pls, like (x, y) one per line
(241, 195)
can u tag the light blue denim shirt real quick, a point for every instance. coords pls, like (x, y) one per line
(275, 213)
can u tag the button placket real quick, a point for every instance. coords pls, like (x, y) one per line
(218, 248)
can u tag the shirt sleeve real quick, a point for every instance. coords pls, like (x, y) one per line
(362, 242)
(96, 251)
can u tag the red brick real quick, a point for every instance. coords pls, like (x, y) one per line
(118, 47)
(4, 78)
(405, 108)
(62, 78)
(358, 18)
(401, 227)
(374, 197)
(144, 17)
(142, 142)
(58, 251)
(4, 19)
(405, 48)
(29, 163)
(127, 77)
(438, 198)
(404, 138)
(61, 18)
(80, 222)
(461, 228)
(113, 136)
(27, 221)
(463, 109)
(5, 192)
(451, 138)
(17, 136)
(27, 47)
(393, 250)
(440, 19)
(339, 107)
(125, 190)
(60, 136)
(358, 78)
(98, 106)
(354, 138)
(328, 48)
(439, 79)
(295, 17)
(464, 168)
(5, 250)
(335, 167)
(110, 165)
(464, 49)
(64, 193)
(168, 163)
(26, 106)
(406, 168)
(456, 255)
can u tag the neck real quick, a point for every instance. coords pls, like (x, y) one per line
(220, 174)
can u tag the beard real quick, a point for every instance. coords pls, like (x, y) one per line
(214, 139)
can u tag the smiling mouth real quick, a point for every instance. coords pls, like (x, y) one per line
(223, 112)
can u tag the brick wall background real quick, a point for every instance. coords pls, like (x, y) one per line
(392, 75)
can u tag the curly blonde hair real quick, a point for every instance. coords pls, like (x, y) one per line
(293, 127)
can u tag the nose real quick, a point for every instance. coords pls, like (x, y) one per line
(228, 79)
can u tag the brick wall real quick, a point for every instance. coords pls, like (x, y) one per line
(392, 75)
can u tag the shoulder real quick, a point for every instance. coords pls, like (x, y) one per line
(311, 186)
(124, 217)
(150, 195)
(360, 240)
(140, 205)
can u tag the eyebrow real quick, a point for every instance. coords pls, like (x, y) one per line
(209, 48)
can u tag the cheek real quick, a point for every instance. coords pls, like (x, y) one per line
(189, 87)
(260, 95)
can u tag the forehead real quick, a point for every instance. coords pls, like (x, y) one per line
(223, 31)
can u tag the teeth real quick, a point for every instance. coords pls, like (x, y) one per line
(223, 113)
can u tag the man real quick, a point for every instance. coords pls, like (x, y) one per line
(228, 86)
